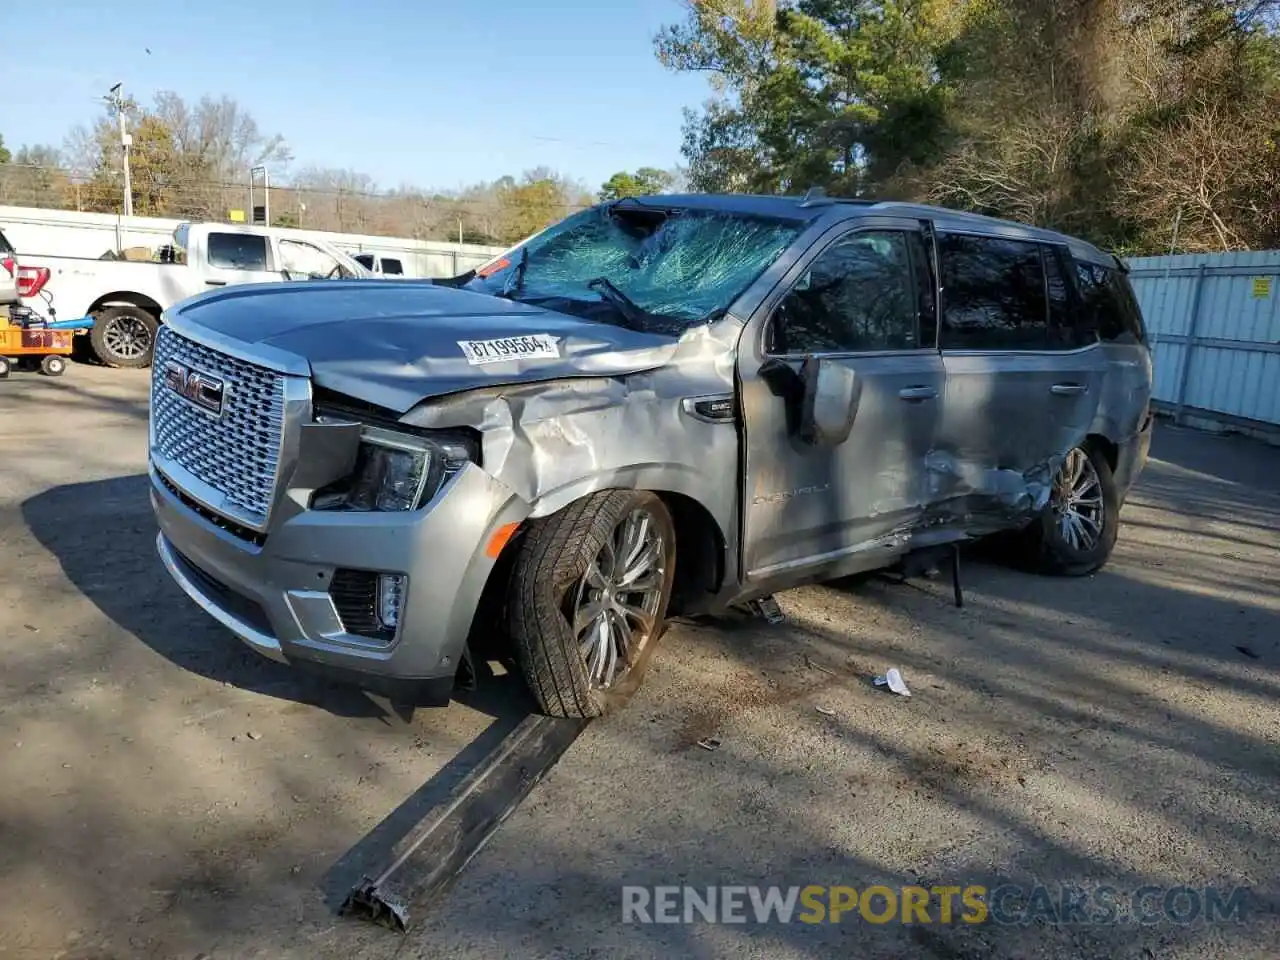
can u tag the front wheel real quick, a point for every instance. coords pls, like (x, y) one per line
(1076, 533)
(588, 600)
(124, 336)
(53, 366)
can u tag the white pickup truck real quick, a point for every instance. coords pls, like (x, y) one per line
(126, 297)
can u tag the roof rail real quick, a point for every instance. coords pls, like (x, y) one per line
(815, 196)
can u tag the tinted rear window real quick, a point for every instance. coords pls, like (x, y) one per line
(993, 294)
(1108, 307)
(391, 265)
(238, 251)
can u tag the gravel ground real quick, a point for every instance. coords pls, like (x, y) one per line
(167, 794)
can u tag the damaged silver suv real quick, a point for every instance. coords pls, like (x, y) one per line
(660, 406)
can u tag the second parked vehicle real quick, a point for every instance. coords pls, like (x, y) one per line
(126, 297)
(660, 406)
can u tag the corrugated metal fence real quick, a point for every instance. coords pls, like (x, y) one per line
(1214, 321)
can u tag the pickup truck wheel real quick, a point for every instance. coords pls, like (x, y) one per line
(1076, 533)
(588, 600)
(124, 336)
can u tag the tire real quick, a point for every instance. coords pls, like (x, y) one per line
(552, 582)
(53, 366)
(5, 367)
(1054, 553)
(124, 337)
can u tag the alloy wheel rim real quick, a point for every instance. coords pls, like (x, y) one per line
(127, 337)
(1077, 502)
(615, 606)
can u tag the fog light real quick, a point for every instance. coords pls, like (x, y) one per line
(390, 599)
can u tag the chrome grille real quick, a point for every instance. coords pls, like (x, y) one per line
(235, 453)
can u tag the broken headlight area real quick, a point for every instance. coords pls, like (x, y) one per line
(396, 471)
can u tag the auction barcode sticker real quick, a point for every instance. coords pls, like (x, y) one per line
(534, 346)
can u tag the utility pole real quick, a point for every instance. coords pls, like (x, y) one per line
(116, 99)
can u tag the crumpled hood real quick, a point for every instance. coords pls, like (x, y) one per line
(396, 343)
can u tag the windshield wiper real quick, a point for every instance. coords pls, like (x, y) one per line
(515, 282)
(632, 312)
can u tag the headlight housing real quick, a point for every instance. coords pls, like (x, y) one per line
(396, 471)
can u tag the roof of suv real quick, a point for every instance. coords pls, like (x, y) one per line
(800, 208)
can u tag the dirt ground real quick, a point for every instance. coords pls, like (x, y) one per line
(164, 793)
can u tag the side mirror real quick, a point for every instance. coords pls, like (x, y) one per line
(829, 403)
(821, 398)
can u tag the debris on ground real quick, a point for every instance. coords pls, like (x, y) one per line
(767, 607)
(825, 711)
(709, 743)
(893, 680)
(813, 665)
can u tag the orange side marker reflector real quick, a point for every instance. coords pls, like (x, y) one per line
(499, 539)
(493, 268)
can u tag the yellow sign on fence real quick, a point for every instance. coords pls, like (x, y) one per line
(1261, 287)
(237, 216)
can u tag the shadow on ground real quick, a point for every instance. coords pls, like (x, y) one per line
(1097, 731)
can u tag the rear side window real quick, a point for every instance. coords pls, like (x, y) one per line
(238, 251)
(5, 247)
(365, 260)
(392, 266)
(1108, 309)
(993, 294)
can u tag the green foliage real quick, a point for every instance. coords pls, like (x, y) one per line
(5, 155)
(1093, 116)
(644, 182)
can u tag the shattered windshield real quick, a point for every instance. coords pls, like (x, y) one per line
(651, 269)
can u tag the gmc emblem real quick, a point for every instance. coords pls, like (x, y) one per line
(201, 389)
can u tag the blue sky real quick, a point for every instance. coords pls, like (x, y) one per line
(432, 93)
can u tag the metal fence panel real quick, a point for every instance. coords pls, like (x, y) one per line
(1214, 321)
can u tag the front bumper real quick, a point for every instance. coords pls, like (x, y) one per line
(275, 597)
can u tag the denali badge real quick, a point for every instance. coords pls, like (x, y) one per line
(200, 388)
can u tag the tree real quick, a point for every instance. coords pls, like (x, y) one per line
(1102, 118)
(33, 178)
(540, 198)
(644, 182)
(805, 90)
(185, 161)
(5, 156)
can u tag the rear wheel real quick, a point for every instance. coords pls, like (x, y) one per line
(1077, 531)
(53, 366)
(588, 600)
(124, 336)
(5, 367)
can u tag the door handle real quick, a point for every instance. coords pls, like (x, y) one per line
(1068, 389)
(216, 283)
(918, 393)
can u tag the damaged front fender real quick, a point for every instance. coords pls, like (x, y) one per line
(554, 442)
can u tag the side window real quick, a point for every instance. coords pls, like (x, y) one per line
(392, 266)
(859, 294)
(1122, 293)
(1063, 332)
(1108, 307)
(993, 294)
(307, 262)
(364, 259)
(238, 251)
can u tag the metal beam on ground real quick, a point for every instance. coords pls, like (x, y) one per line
(431, 855)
